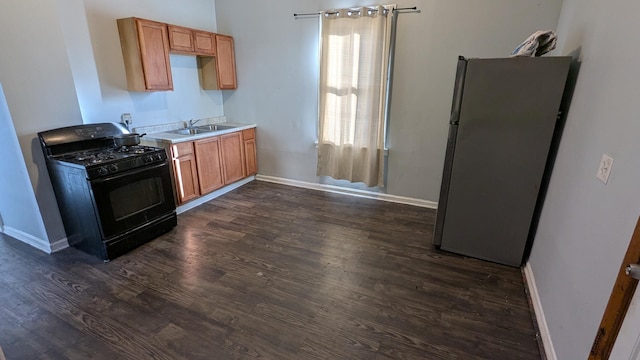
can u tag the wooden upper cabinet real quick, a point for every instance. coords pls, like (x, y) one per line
(181, 39)
(205, 43)
(219, 72)
(145, 49)
(226, 62)
(189, 41)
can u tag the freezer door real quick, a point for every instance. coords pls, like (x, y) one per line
(506, 123)
(451, 142)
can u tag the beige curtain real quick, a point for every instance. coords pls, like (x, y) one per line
(354, 59)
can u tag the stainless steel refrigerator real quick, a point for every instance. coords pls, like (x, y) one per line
(502, 124)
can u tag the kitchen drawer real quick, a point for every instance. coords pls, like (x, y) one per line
(248, 134)
(181, 149)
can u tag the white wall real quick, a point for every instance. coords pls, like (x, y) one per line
(62, 65)
(38, 86)
(585, 226)
(277, 77)
(93, 46)
(19, 212)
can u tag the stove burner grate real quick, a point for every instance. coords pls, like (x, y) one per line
(137, 149)
(107, 155)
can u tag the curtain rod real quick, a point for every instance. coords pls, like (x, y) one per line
(415, 8)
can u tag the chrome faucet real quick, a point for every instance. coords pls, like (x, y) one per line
(193, 122)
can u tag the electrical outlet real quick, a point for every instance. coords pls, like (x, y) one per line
(126, 119)
(605, 168)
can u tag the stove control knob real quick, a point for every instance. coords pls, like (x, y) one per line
(103, 170)
(113, 168)
(148, 159)
(158, 157)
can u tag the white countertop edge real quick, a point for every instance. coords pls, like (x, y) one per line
(173, 138)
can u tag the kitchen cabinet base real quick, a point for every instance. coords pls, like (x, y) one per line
(212, 195)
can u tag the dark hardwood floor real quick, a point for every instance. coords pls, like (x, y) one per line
(268, 272)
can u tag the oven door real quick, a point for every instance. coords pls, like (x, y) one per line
(132, 199)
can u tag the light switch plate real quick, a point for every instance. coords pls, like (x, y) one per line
(605, 168)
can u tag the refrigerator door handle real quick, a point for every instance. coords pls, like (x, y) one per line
(444, 187)
(454, 118)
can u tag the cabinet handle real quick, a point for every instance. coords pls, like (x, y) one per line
(633, 270)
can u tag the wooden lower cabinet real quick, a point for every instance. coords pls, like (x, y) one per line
(232, 157)
(205, 165)
(185, 172)
(208, 158)
(250, 159)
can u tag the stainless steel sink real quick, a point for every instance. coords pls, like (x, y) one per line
(188, 131)
(214, 127)
(202, 129)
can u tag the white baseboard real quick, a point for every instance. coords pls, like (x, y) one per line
(352, 192)
(537, 308)
(203, 199)
(59, 245)
(40, 244)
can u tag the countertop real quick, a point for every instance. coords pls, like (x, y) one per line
(173, 138)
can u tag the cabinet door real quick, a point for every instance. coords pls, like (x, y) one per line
(226, 62)
(209, 164)
(154, 52)
(145, 50)
(205, 43)
(232, 157)
(250, 163)
(185, 172)
(180, 39)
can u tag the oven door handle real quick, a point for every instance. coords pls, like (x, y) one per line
(129, 173)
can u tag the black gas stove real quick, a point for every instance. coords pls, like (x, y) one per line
(112, 199)
(102, 162)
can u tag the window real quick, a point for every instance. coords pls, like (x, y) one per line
(354, 59)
